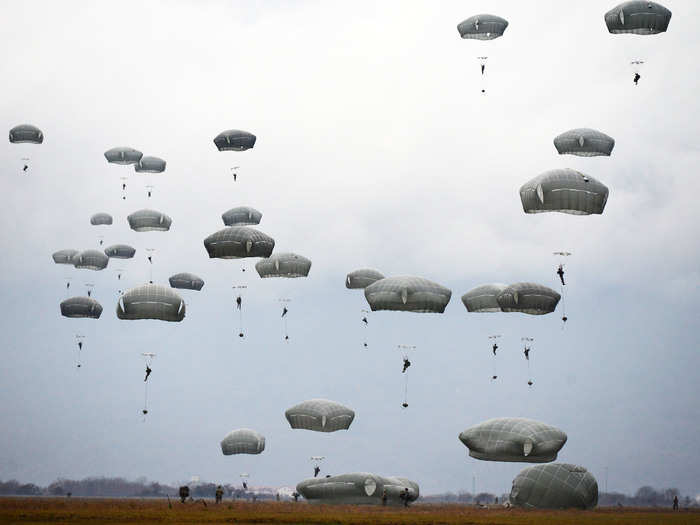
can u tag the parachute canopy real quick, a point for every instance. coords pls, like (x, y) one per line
(120, 251)
(241, 216)
(123, 156)
(584, 142)
(243, 441)
(320, 415)
(528, 298)
(64, 256)
(482, 27)
(360, 488)
(187, 281)
(283, 265)
(150, 165)
(90, 260)
(638, 18)
(564, 191)
(149, 220)
(408, 294)
(554, 486)
(362, 278)
(101, 219)
(26, 133)
(235, 242)
(151, 301)
(483, 298)
(81, 307)
(513, 439)
(234, 140)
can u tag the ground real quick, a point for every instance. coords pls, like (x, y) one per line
(115, 511)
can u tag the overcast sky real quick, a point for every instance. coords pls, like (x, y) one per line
(375, 148)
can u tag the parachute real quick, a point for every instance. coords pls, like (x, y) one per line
(584, 142)
(187, 281)
(362, 278)
(513, 439)
(81, 307)
(120, 251)
(242, 441)
(149, 220)
(101, 219)
(151, 301)
(554, 486)
(638, 17)
(320, 415)
(409, 294)
(288, 265)
(482, 27)
(360, 488)
(564, 191)
(234, 140)
(235, 242)
(26, 134)
(64, 256)
(149, 165)
(528, 298)
(241, 216)
(90, 260)
(483, 298)
(123, 155)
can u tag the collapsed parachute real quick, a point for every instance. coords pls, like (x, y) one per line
(320, 415)
(513, 439)
(151, 301)
(235, 242)
(187, 281)
(149, 220)
(243, 441)
(90, 260)
(234, 140)
(408, 294)
(554, 486)
(120, 251)
(638, 18)
(564, 191)
(362, 278)
(81, 307)
(150, 165)
(584, 142)
(288, 265)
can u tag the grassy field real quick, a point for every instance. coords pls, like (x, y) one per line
(113, 511)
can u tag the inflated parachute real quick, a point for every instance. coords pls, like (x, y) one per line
(513, 439)
(26, 134)
(483, 298)
(528, 298)
(186, 281)
(564, 191)
(359, 488)
(241, 216)
(151, 301)
(100, 219)
(235, 242)
(554, 486)
(90, 260)
(584, 142)
(149, 220)
(123, 155)
(81, 307)
(362, 278)
(638, 18)
(149, 164)
(482, 27)
(234, 140)
(64, 256)
(243, 441)
(288, 265)
(320, 415)
(120, 251)
(408, 294)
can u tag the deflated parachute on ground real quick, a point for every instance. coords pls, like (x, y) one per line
(320, 415)
(408, 294)
(151, 301)
(359, 488)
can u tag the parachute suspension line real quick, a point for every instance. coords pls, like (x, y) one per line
(79, 338)
(405, 393)
(150, 252)
(482, 64)
(405, 351)
(560, 273)
(239, 306)
(123, 179)
(148, 358)
(365, 321)
(527, 341)
(494, 350)
(285, 311)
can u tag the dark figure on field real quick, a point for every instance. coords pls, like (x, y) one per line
(184, 490)
(284, 311)
(219, 494)
(239, 302)
(527, 352)
(637, 76)
(148, 373)
(406, 364)
(317, 469)
(494, 348)
(245, 486)
(364, 320)
(405, 497)
(295, 495)
(69, 494)
(384, 497)
(675, 502)
(560, 273)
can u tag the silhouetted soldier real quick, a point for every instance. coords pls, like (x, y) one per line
(148, 373)
(219, 494)
(317, 469)
(675, 502)
(184, 492)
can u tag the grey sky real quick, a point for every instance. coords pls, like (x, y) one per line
(375, 148)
